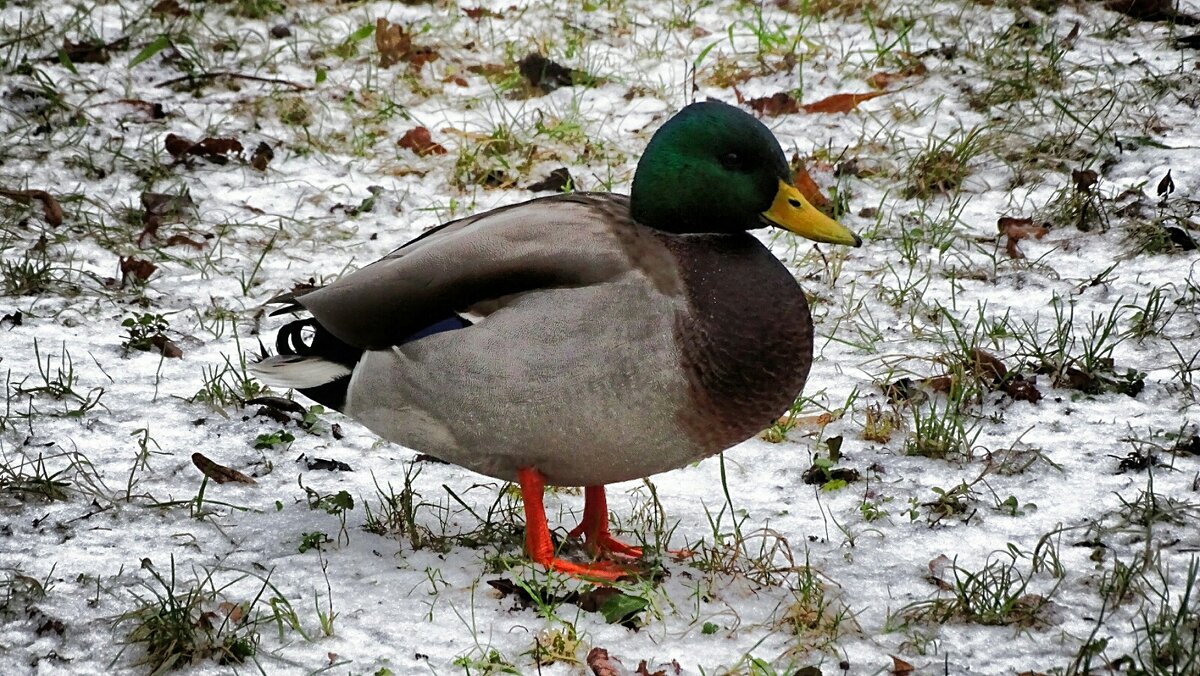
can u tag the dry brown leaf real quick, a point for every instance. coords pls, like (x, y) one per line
(987, 366)
(168, 8)
(177, 146)
(643, 670)
(545, 74)
(601, 664)
(51, 209)
(233, 611)
(90, 51)
(219, 473)
(1084, 180)
(781, 103)
(819, 420)
(184, 240)
(136, 268)
(807, 186)
(395, 45)
(1016, 229)
(900, 667)
(885, 79)
(939, 383)
(166, 347)
(262, 156)
(1022, 389)
(478, 13)
(556, 181)
(420, 142)
(214, 149)
(839, 103)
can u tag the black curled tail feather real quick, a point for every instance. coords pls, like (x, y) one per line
(290, 341)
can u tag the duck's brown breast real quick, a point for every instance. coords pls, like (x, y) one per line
(745, 341)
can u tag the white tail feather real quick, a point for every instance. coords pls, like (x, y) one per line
(298, 372)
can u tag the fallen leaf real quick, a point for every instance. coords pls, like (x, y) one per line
(164, 8)
(89, 51)
(987, 366)
(900, 667)
(327, 465)
(1180, 238)
(233, 611)
(1016, 229)
(478, 13)
(135, 268)
(839, 103)
(937, 570)
(819, 420)
(166, 347)
(904, 390)
(262, 156)
(1022, 389)
(1167, 185)
(184, 240)
(557, 180)
(643, 670)
(601, 664)
(219, 473)
(395, 45)
(884, 79)
(160, 208)
(781, 103)
(177, 146)
(51, 209)
(154, 110)
(214, 149)
(280, 404)
(420, 142)
(807, 186)
(1084, 180)
(939, 383)
(545, 74)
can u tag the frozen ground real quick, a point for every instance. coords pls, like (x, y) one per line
(981, 532)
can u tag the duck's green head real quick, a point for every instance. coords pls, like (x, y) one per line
(715, 168)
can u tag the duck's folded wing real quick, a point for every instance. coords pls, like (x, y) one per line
(554, 242)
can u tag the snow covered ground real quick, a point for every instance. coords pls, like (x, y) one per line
(1016, 485)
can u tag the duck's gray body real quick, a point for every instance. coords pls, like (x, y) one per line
(601, 350)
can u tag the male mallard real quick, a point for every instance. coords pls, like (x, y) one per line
(580, 339)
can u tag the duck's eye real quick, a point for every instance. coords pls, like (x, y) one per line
(731, 161)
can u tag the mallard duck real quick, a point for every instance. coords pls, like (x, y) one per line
(581, 339)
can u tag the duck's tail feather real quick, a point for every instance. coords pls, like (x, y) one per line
(298, 372)
(319, 367)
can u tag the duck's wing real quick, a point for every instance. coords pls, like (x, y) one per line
(551, 242)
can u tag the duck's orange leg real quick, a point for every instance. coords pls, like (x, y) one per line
(537, 533)
(594, 526)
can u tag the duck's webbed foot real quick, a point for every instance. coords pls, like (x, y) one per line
(541, 549)
(594, 527)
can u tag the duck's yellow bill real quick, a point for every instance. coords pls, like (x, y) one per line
(793, 213)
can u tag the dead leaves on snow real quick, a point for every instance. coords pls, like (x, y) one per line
(219, 473)
(420, 141)
(51, 210)
(395, 45)
(1016, 229)
(602, 664)
(214, 149)
(783, 103)
(978, 365)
